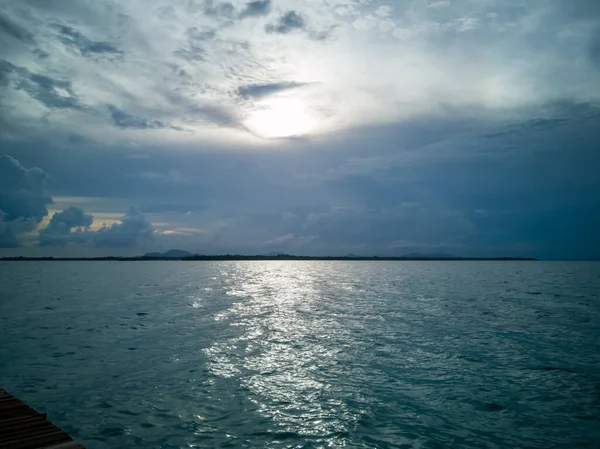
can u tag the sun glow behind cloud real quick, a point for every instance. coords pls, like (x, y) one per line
(281, 117)
(191, 73)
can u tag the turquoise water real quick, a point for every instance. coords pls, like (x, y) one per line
(307, 354)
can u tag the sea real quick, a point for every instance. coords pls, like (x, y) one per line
(306, 354)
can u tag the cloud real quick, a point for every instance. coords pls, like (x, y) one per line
(288, 22)
(440, 4)
(12, 231)
(60, 228)
(22, 190)
(281, 240)
(193, 52)
(263, 90)
(194, 49)
(172, 176)
(431, 57)
(72, 226)
(585, 9)
(212, 114)
(188, 207)
(23, 200)
(290, 241)
(197, 34)
(71, 217)
(225, 9)
(256, 8)
(218, 115)
(52, 93)
(381, 226)
(125, 120)
(87, 47)
(594, 48)
(406, 244)
(431, 102)
(6, 69)
(10, 28)
(133, 230)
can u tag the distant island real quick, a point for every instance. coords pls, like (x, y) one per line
(171, 254)
(181, 255)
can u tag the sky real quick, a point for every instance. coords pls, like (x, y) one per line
(312, 127)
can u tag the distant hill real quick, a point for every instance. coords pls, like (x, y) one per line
(171, 254)
(153, 255)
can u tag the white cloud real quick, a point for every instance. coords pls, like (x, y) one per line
(468, 23)
(386, 25)
(171, 72)
(384, 11)
(440, 4)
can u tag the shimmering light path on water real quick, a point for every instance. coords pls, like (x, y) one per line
(307, 354)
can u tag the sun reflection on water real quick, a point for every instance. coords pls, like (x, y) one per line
(283, 351)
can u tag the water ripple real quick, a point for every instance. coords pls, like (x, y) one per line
(307, 354)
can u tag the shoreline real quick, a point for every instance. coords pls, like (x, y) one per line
(265, 258)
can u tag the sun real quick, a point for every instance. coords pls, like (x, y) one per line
(281, 117)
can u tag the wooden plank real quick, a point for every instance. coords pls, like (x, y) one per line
(29, 437)
(20, 420)
(25, 428)
(69, 445)
(36, 440)
(21, 427)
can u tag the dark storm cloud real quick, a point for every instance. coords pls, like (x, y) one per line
(59, 230)
(71, 217)
(124, 120)
(7, 26)
(22, 190)
(412, 197)
(23, 205)
(72, 226)
(87, 47)
(256, 8)
(11, 231)
(133, 229)
(51, 92)
(23, 200)
(407, 221)
(290, 21)
(263, 90)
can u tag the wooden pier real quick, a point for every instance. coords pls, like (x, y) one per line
(21, 427)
